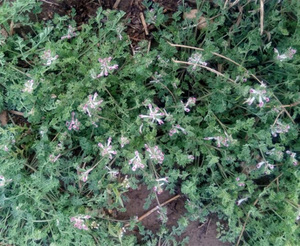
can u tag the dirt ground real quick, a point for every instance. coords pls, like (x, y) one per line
(199, 234)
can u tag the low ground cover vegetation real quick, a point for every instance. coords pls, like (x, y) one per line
(207, 112)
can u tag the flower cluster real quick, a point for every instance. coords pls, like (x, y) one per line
(28, 86)
(84, 176)
(275, 153)
(175, 130)
(190, 102)
(79, 221)
(239, 183)
(156, 78)
(92, 104)
(113, 173)
(160, 182)
(289, 54)
(136, 161)
(105, 67)
(70, 34)
(3, 180)
(107, 149)
(73, 124)
(293, 157)
(220, 140)
(259, 95)
(155, 153)
(154, 115)
(48, 58)
(279, 128)
(267, 167)
(124, 141)
(197, 59)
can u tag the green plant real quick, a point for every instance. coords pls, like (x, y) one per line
(214, 112)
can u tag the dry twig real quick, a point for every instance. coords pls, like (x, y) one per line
(116, 4)
(207, 68)
(154, 209)
(262, 11)
(144, 23)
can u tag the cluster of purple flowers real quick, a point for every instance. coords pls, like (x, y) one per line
(92, 104)
(175, 130)
(73, 124)
(107, 149)
(28, 86)
(79, 222)
(155, 153)
(289, 54)
(239, 183)
(190, 102)
(48, 58)
(293, 157)
(279, 128)
(220, 140)
(136, 161)
(160, 182)
(155, 114)
(197, 59)
(124, 141)
(70, 34)
(105, 67)
(267, 166)
(259, 95)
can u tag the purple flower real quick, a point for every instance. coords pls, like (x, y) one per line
(190, 102)
(105, 67)
(268, 167)
(220, 140)
(239, 183)
(136, 161)
(197, 59)
(107, 150)
(79, 222)
(92, 104)
(124, 141)
(160, 182)
(48, 58)
(155, 153)
(293, 157)
(258, 95)
(73, 124)
(70, 34)
(289, 54)
(279, 128)
(28, 86)
(175, 130)
(84, 176)
(154, 115)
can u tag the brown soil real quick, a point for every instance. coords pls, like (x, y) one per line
(199, 234)
(88, 8)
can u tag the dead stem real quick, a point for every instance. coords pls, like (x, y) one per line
(154, 209)
(216, 54)
(207, 68)
(262, 11)
(144, 23)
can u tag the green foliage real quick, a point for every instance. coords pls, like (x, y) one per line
(229, 139)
